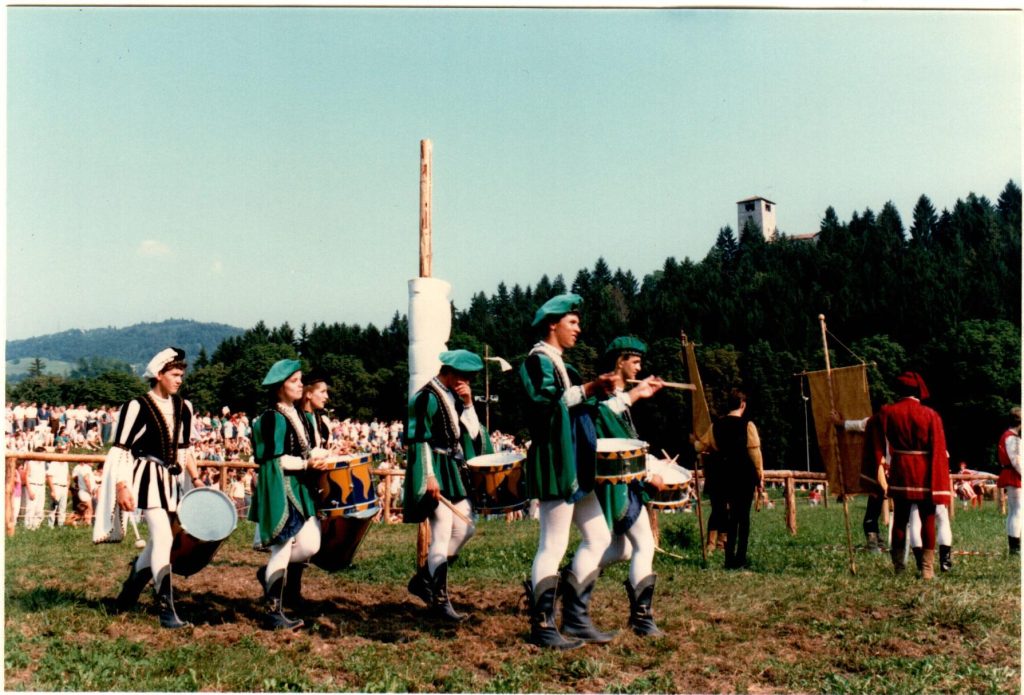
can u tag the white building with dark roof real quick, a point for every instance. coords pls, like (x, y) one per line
(759, 210)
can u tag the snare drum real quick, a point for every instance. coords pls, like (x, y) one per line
(620, 460)
(676, 481)
(340, 536)
(348, 487)
(205, 517)
(497, 482)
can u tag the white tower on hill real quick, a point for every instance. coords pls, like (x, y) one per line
(760, 210)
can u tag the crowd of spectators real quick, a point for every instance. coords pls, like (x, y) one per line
(217, 437)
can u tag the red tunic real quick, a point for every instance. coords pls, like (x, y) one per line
(1008, 476)
(919, 467)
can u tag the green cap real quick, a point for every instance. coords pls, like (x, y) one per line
(281, 370)
(559, 306)
(462, 360)
(625, 345)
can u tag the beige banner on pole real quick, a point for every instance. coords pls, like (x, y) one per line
(853, 402)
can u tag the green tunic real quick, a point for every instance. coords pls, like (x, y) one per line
(274, 437)
(620, 502)
(431, 434)
(559, 462)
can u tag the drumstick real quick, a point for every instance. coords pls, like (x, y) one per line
(667, 384)
(671, 459)
(455, 510)
(139, 543)
(660, 550)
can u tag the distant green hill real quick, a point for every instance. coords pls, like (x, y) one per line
(18, 369)
(133, 344)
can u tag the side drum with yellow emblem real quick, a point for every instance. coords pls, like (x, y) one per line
(347, 503)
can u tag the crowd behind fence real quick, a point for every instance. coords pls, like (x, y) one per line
(41, 435)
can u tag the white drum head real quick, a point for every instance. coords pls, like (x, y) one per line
(207, 514)
(607, 445)
(671, 473)
(499, 459)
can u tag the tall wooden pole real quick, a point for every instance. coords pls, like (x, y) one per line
(426, 263)
(700, 420)
(487, 387)
(426, 252)
(835, 445)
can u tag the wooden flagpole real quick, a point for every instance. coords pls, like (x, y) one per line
(690, 358)
(426, 262)
(835, 445)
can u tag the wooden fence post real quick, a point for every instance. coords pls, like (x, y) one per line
(791, 506)
(387, 498)
(9, 519)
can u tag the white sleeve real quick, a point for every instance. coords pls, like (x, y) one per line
(1013, 449)
(470, 421)
(619, 403)
(291, 463)
(573, 396)
(856, 425)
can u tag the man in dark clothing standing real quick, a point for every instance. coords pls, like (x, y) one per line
(740, 473)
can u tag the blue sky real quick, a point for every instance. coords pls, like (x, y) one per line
(239, 164)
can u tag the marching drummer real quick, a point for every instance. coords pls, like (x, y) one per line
(624, 503)
(282, 505)
(142, 470)
(559, 473)
(314, 417)
(444, 432)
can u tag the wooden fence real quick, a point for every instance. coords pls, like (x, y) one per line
(789, 480)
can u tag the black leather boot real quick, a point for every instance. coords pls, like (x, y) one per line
(133, 586)
(165, 600)
(275, 618)
(1014, 545)
(919, 558)
(899, 565)
(543, 629)
(442, 606)
(293, 585)
(641, 615)
(576, 608)
(945, 558)
(419, 585)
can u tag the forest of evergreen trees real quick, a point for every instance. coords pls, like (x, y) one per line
(942, 297)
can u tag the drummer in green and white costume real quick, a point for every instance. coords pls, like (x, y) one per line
(443, 433)
(560, 466)
(282, 505)
(624, 503)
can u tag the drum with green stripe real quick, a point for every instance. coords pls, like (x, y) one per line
(620, 460)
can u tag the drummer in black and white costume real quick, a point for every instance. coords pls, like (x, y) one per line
(152, 448)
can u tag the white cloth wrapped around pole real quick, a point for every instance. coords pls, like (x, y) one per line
(430, 324)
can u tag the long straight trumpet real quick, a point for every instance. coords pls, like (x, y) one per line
(667, 384)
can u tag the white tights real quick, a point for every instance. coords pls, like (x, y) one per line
(635, 545)
(299, 548)
(943, 531)
(157, 553)
(448, 533)
(1013, 512)
(556, 519)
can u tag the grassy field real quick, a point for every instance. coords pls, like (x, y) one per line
(798, 621)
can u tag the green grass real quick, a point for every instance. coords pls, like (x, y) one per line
(799, 621)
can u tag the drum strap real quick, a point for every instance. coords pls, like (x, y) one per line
(448, 414)
(561, 374)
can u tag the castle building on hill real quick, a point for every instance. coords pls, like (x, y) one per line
(759, 210)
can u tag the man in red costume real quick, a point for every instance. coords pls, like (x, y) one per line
(919, 469)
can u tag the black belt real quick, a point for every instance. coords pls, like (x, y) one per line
(172, 468)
